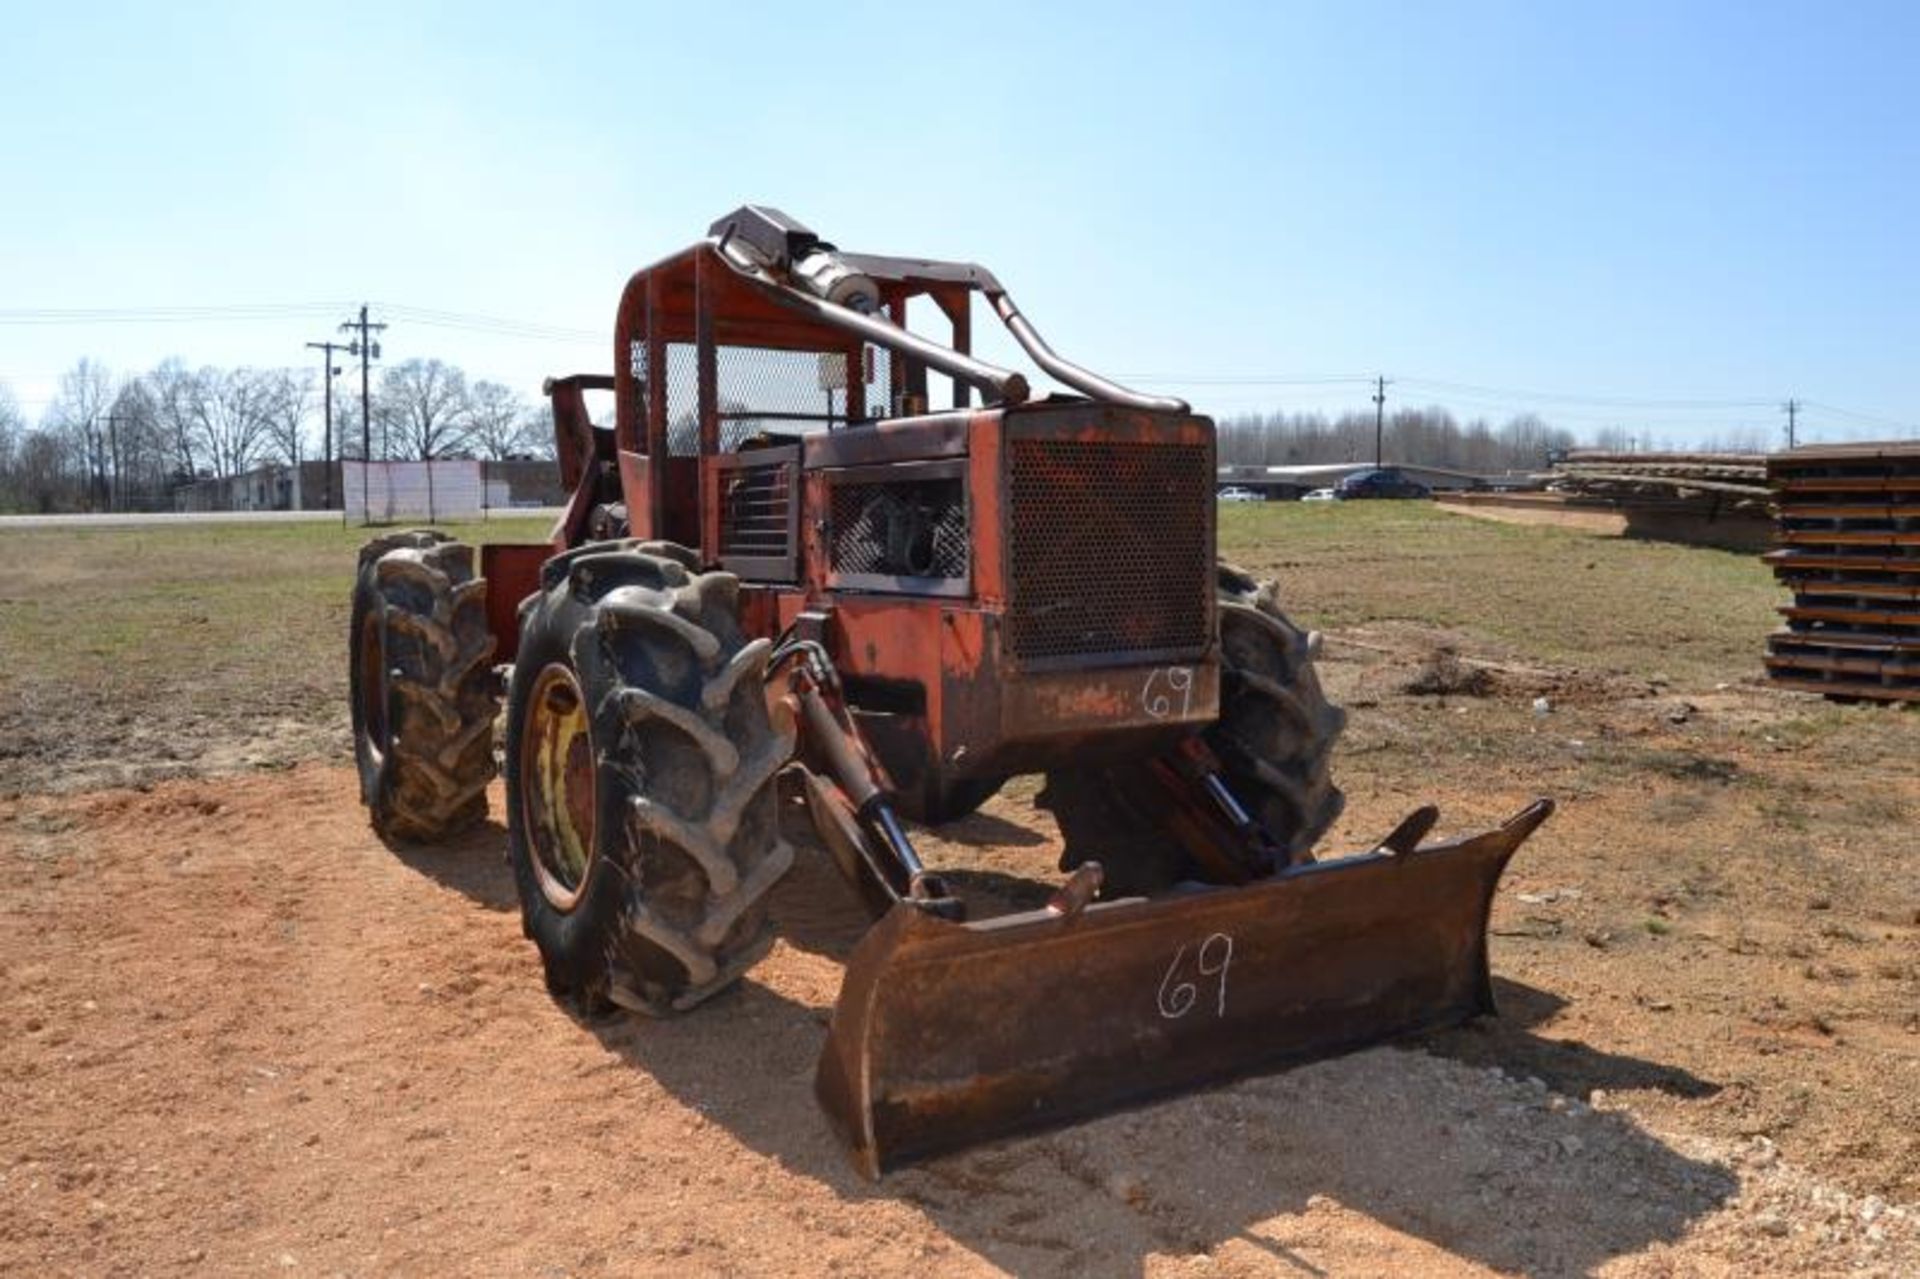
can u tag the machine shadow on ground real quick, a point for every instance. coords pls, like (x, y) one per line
(474, 864)
(1564, 1065)
(984, 828)
(1427, 1143)
(1193, 1174)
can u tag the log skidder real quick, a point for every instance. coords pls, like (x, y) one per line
(782, 554)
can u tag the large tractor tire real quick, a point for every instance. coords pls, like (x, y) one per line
(1274, 738)
(422, 690)
(641, 810)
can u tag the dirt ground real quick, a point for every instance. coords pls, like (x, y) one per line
(240, 1035)
(133, 655)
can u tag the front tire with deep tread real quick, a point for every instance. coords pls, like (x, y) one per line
(422, 694)
(684, 845)
(1276, 731)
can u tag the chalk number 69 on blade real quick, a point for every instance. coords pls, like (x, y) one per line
(1177, 998)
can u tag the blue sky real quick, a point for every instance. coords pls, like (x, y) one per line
(1671, 216)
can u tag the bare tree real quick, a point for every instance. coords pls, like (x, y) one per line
(45, 477)
(425, 402)
(79, 413)
(536, 432)
(177, 394)
(144, 467)
(13, 425)
(1739, 439)
(232, 413)
(286, 402)
(498, 422)
(346, 430)
(1530, 442)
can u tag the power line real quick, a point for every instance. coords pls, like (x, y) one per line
(1593, 415)
(1504, 393)
(1515, 401)
(210, 314)
(1476, 401)
(1174, 379)
(488, 323)
(161, 314)
(1603, 401)
(1858, 417)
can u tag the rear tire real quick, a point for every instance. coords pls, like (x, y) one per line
(1274, 739)
(1277, 730)
(641, 810)
(422, 695)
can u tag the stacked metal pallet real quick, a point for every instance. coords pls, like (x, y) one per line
(1849, 545)
(1736, 475)
(1705, 499)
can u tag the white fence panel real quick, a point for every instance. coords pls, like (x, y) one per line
(387, 491)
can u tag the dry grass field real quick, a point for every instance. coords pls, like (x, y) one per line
(237, 1034)
(136, 654)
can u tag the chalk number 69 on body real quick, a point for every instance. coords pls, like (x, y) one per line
(1168, 691)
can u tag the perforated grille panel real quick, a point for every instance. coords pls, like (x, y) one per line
(915, 528)
(1110, 548)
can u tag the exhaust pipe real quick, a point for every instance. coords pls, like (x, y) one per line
(804, 272)
(1066, 372)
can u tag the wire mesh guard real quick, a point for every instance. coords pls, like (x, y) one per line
(915, 528)
(1111, 552)
(762, 391)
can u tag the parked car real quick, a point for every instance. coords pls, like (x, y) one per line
(1240, 495)
(1320, 495)
(1380, 481)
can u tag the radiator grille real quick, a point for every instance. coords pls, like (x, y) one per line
(756, 511)
(916, 528)
(1111, 548)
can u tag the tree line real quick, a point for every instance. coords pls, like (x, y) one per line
(1433, 437)
(110, 442)
(1414, 437)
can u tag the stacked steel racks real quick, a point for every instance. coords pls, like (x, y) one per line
(1848, 544)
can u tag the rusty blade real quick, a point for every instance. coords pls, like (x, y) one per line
(950, 1034)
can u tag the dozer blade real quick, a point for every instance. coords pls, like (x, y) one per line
(950, 1034)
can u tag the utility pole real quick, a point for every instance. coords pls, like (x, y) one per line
(1792, 408)
(368, 350)
(1379, 417)
(327, 373)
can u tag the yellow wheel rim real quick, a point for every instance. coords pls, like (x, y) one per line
(557, 786)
